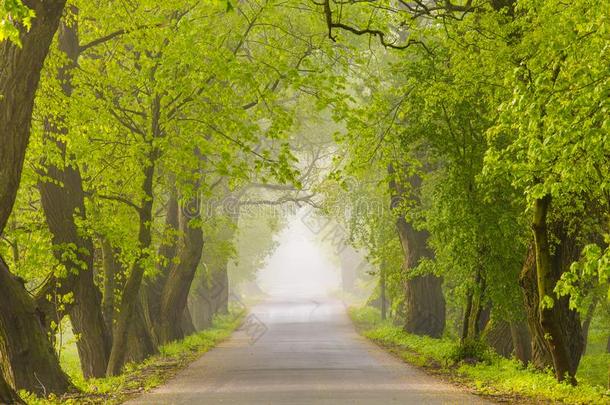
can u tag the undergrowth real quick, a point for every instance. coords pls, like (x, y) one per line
(481, 369)
(140, 377)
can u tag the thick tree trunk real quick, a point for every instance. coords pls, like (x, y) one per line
(560, 325)
(7, 393)
(467, 315)
(19, 76)
(179, 280)
(63, 199)
(140, 341)
(424, 300)
(200, 305)
(111, 269)
(187, 322)
(24, 349)
(131, 291)
(498, 336)
(522, 341)
(167, 251)
(541, 357)
(27, 358)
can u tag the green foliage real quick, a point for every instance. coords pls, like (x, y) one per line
(496, 376)
(14, 15)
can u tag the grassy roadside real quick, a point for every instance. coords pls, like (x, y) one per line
(142, 377)
(503, 379)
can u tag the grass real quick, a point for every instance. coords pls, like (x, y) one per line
(495, 376)
(141, 377)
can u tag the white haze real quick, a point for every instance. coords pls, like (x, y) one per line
(299, 266)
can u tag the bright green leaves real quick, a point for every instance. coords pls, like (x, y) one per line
(13, 16)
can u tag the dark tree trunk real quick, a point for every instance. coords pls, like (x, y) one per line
(24, 348)
(522, 341)
(541, 357)
(7, 393)
(63, 199)
(179, 280)
(167, 251)
(424, 300)
(111, 270)
(467, 315)
(200, 304)
(608, 345)
(27, 358)
(140, 342)
(131, 291)
(19, 76)
(187, 322)
(558, 323)
(498, 336)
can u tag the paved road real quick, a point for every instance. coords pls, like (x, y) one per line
(307, 352)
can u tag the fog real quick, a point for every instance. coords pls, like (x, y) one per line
(300, 266)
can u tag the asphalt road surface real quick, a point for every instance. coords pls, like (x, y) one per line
(302, 351)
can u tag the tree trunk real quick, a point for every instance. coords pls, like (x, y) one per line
(27, 357)
(20, 73)
(522, 341)
(560, 325)
(179, 280)
(24, 348)
(498, 336)
(220, 289)
(7, 393)
(540, 355)
(187, 322)
(63, 199)
(200, 304)
(424, 300)
(111, 269)
(140, 341)
(383, 292)
(131, 291)
(167, 253)
(608, 345)
(467, 315)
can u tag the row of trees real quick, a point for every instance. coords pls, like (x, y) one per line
(132, 133)
(488, 136)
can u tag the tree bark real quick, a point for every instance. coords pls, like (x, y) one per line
(27, 358)
(140, 342)
(19, 76)
(187, 322)
(167, 252)
(7, 393)
(112, 269)
(560, 325)
(522, 341)
(179, 280)
(131, 291)
(424, 300)
(63, 199)
(200, 304)
(540, 355)
(498, 336)
(24, 348)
